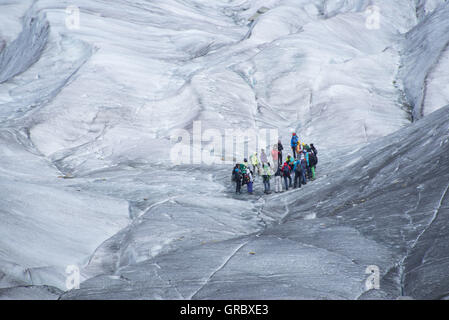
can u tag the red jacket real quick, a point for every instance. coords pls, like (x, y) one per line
(286, 165)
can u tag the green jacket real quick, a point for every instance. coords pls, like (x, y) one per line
(254, 160)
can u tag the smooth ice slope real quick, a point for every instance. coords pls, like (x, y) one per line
(424, 62)
(47, 225)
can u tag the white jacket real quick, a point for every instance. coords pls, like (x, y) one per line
(263, 158)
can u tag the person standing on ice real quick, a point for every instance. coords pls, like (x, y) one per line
(290, 161)
(313, 160)
(250, 182)
(306, 147)
(245, 162)
(280, 149)
(243, 168)
(278, 179)
(294, 143)
(243, 173)
(286, 174)
(297, 169)
(303, 172)
(299, 149)
(263, 157)
(307, 158)
(255, 162)
(237, 178)
(275, 155)
(313, 149)
(266, 175)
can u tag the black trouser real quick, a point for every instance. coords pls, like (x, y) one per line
(266, 184)
(298, 178)
(294, 152)
(303, 177)
(280, 158)
(309, 172)
(286, 182)
(289, 177)
(238, 186)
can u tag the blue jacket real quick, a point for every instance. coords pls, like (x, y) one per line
(237, 174)
(297, 163)
(294, 141)
(306, 157)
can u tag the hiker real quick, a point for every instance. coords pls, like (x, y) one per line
(280, 149)
(255, 162)
(313, 149)
(237, 178)
(294, 144)
(266, 175)
(237, 166)
(299, 149)
(250, 182)
(278, 179)
(313, 160)
(290, 162)
(243, 168)
(243, 173)
(297, 169)
(275, 155)
(245, 162)
(315, 153)
(263, 157)
(309, 170)
(306, 157)
(288, 159)
(300, 155)
(303, 172)
(286, 174)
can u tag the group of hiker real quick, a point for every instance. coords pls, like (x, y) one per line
(296, 171)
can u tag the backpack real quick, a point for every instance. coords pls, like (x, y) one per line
(285, 171)
(237, 175)
(246, 178)
(313, 159)
(298, 167)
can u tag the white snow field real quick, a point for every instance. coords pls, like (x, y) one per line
(91, 92)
